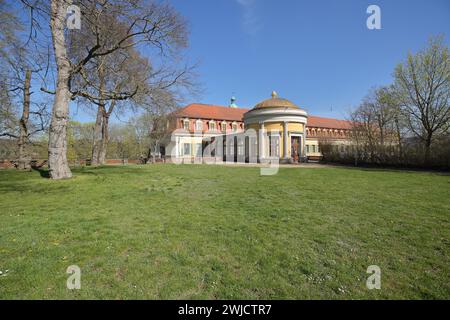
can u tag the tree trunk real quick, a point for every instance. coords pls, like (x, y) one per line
(57, 144)
(97, 147)
(24, 157)
(400, 143)
(427, 150)
(105, 131)
(154, 152)
(104, 141)
(97, 137)
(149, 153)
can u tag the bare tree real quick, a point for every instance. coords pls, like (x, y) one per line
(124, 79)
(57, 144)
(148, 24)
(376, 130)
(422, 83)
(127, 74)
(19, 62)
(8, 112)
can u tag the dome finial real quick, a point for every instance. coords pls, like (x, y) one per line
(233, 102)
(274, 94)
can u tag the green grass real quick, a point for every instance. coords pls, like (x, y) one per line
(213, 232)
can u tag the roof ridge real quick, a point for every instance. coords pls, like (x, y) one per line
(327, 118)
(210, 111)
(213, 105)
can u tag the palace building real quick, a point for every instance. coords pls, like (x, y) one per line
(275, 128)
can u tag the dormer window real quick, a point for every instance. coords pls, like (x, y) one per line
(199, 125)
(186, 124)
(212, 125)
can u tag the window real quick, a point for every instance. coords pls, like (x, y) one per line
(224, 126)
(199, 125)
(274, 143)
(212, 126)
(234, 126)
(240, 147)
(186, 149)
(318, 148)
(313, 148)
(186, 125)
(307, 148)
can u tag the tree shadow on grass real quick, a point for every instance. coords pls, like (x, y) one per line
(109, 170)
(96, 171)
(375, 168)
(43, 172)
(407, 170)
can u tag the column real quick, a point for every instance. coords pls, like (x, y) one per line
(285, 140)
(304, 141)
(261, 141)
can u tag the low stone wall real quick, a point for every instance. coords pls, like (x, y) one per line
(40, 163)
(7, 164)
(87, 162)
(123, 161)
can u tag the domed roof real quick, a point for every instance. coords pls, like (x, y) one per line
(275, 102)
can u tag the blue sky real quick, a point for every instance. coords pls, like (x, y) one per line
(318, 54)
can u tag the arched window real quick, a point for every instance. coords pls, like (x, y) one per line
(212, 125)
(199, 125)
(186, 124)
(223, 126)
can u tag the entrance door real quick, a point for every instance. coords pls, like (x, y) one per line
(295, 148)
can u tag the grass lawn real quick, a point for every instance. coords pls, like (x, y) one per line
(215, 232)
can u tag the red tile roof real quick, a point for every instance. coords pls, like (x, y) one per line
(206, 111)
(328, 123)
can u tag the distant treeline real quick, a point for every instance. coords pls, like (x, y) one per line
(407, 122)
